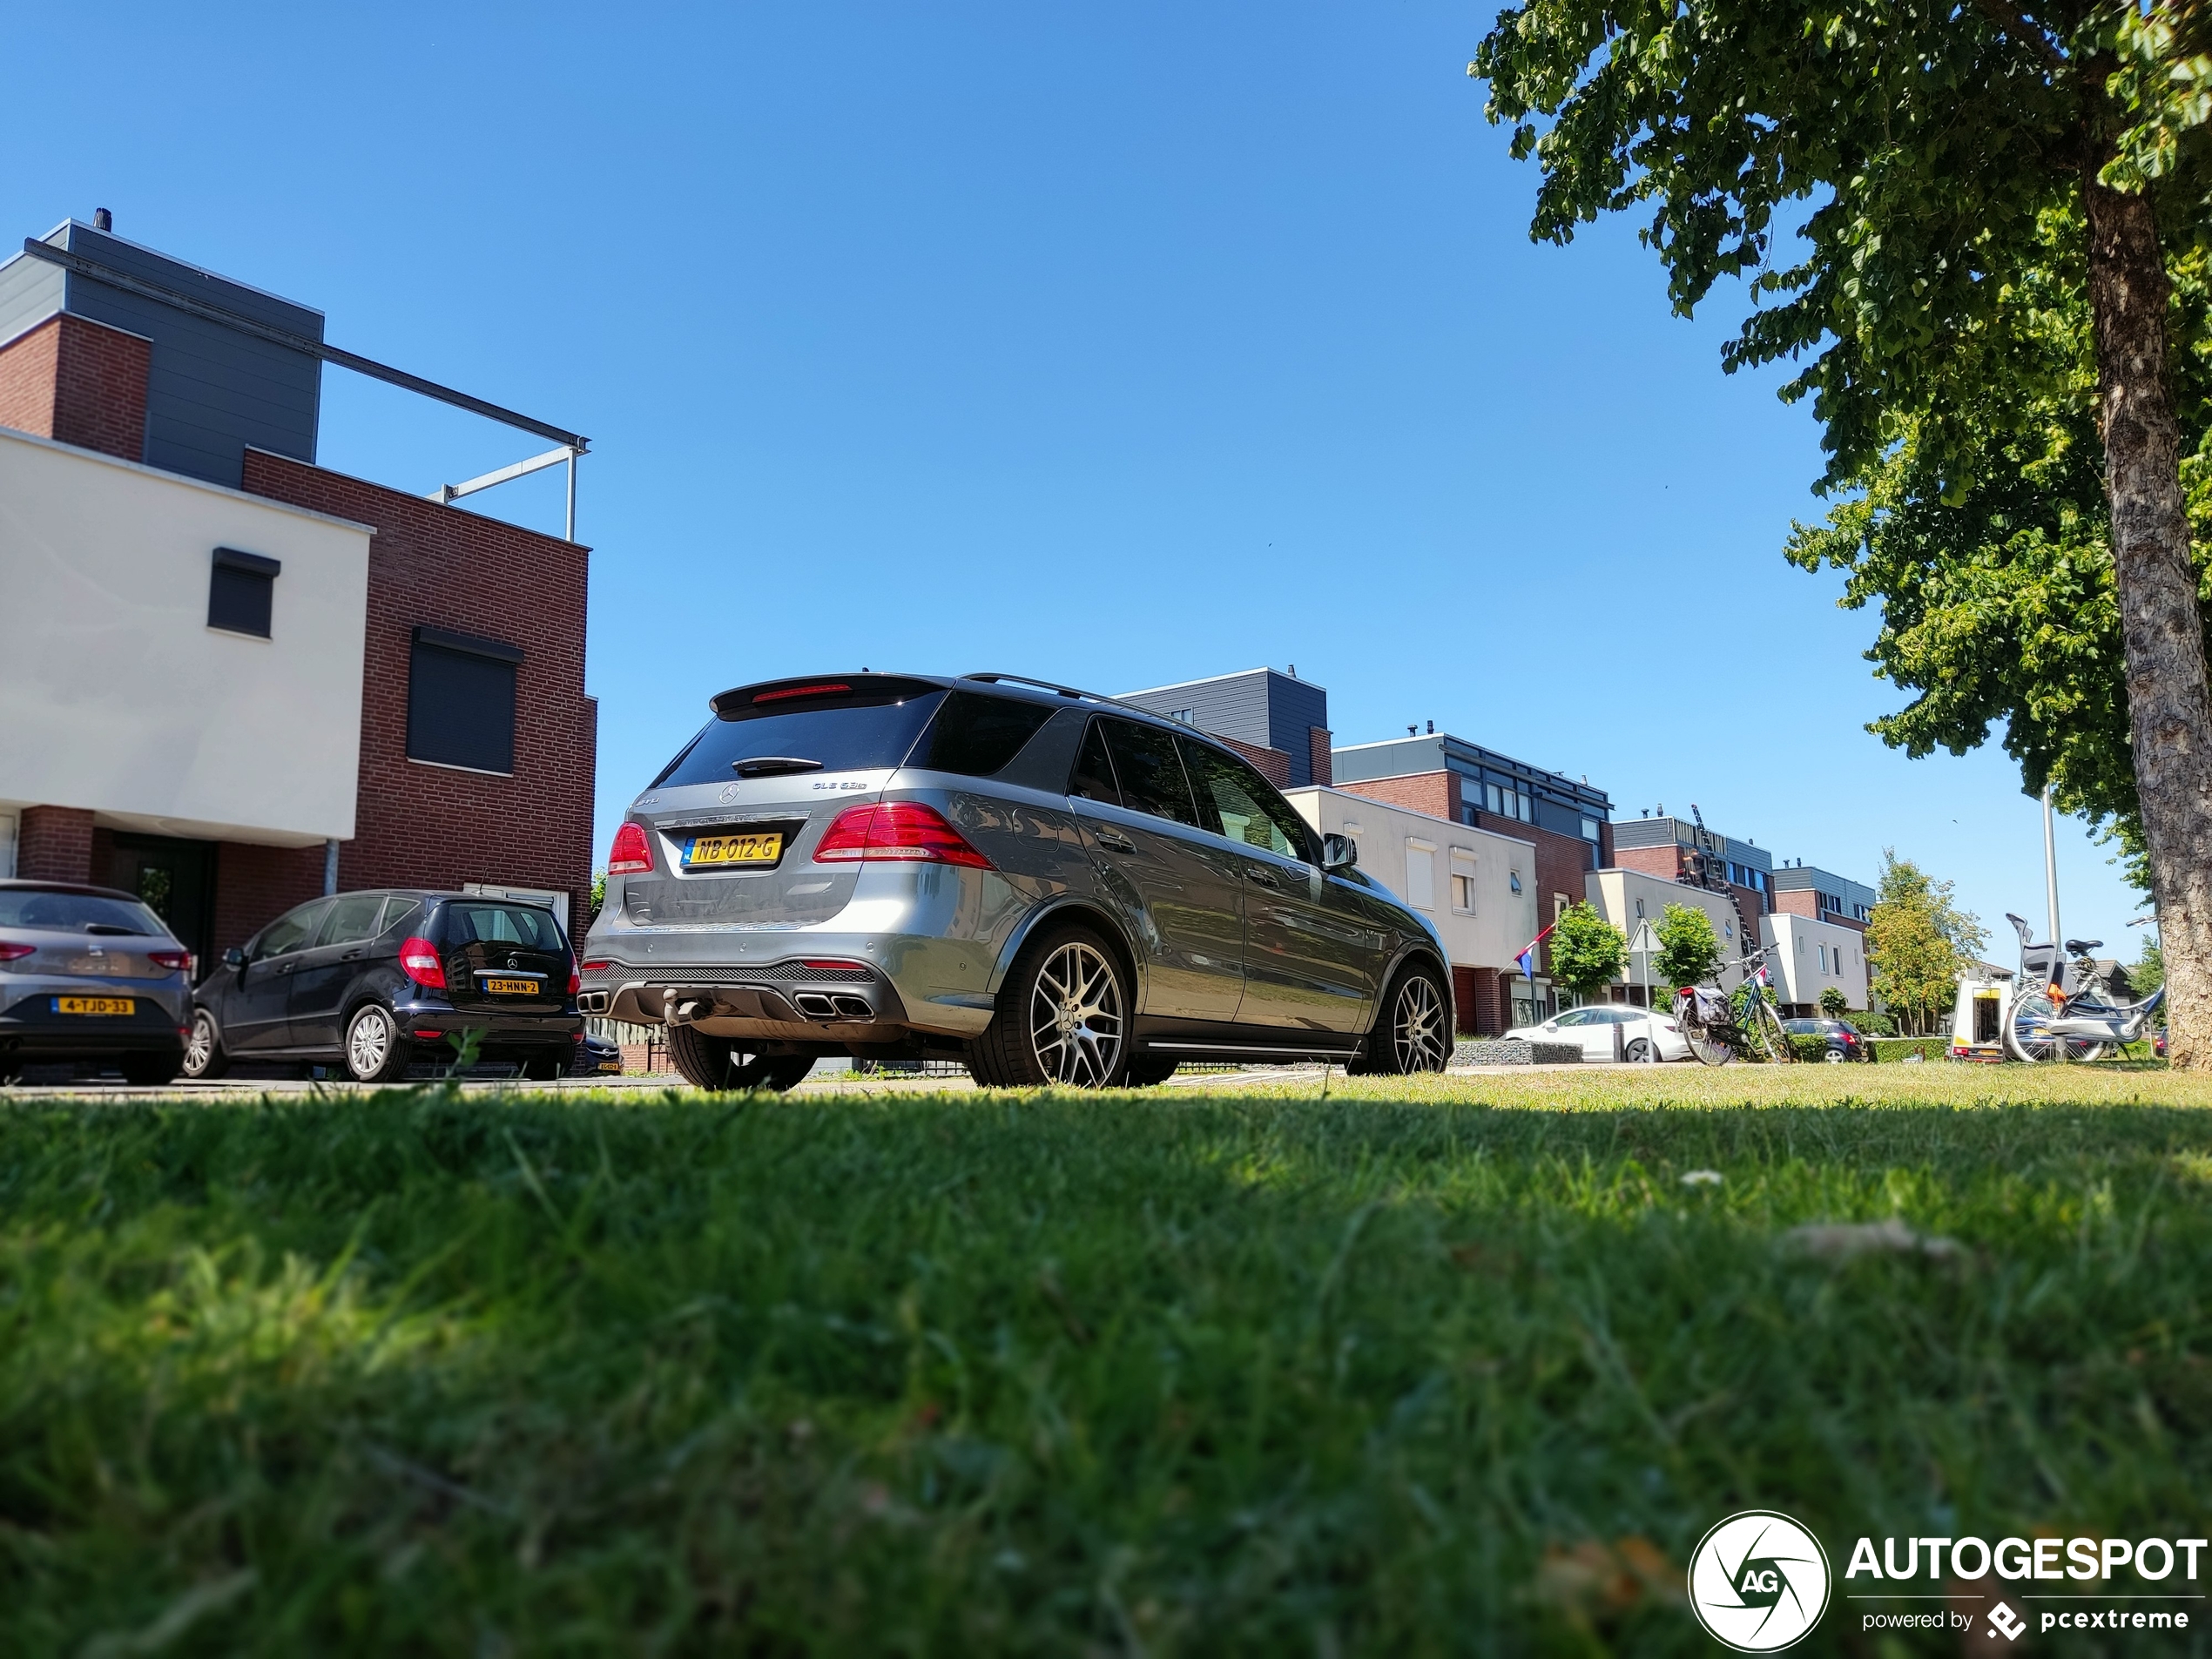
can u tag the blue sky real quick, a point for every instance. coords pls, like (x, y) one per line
(1114, 345)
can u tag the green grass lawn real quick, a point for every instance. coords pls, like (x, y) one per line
(1462, 1365)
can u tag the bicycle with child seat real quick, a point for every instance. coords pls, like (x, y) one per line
(1720, 1025)
(2060, 1011)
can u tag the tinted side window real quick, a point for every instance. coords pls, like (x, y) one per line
(351, 917)
(1151, 777)
(1093, 777)
(976, 736)
(1246, 808)
(398, 914)
(288, 933)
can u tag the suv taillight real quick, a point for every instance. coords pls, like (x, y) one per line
(896, 830)
(630, 854)
(419, 962)
(576, 981)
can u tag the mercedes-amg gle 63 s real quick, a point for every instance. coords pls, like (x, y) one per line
(1052, 887)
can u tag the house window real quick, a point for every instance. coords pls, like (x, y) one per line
(1183, 715)
(1513, 880)
(241, 593)
(1420, 875)
(1559, 905)
(1589, 829)
(1639, 908)
(461, 701)
(1463, 882)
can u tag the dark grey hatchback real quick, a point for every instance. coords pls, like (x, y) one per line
(378, 981)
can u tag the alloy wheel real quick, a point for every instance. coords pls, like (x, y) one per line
(1416, 1035)
(368, 1043)
(1075, 1020)
(199, 1047)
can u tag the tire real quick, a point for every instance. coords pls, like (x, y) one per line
(1834, 1058)
(2028, 1042)
(722, 1063)
(152, 1071)
(1147, 1071)
(1412, 1033)
(1638, 1051)
(376, 1051)
(203, 1056)
(1063, 1018)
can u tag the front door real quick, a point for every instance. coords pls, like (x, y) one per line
(1313, 959)
(1180, 886)
(255, 1008)
(328, 968)
(175, 878)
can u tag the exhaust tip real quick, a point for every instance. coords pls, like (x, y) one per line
(854, 1008)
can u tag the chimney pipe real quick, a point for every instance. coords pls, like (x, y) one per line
(102, 219)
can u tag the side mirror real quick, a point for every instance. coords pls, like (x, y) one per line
(1338, 853)
(234, 958)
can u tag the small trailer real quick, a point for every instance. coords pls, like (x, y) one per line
(1978, 1018)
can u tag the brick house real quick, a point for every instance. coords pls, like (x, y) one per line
(1567, 821)
(1674, 849)
(255, 679)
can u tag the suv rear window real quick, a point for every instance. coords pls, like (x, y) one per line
(858, 733)
(467, 923)
(75, 912)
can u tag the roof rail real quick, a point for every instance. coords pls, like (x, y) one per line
(1070, 690)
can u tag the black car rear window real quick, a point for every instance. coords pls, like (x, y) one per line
(976, 736)
(856, 734)
(75, 912)
(466, 922)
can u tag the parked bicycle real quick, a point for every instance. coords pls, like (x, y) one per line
(1720, 1025)
(2060, 1011)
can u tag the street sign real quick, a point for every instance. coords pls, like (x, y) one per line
(1646, 943)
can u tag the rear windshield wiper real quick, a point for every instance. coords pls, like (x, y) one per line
(767, 765)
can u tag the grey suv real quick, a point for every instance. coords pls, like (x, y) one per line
(1051, 886)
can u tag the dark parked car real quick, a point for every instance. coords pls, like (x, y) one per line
(377, 982)
(1844, 1041)
(88, 974)
(596, 1057)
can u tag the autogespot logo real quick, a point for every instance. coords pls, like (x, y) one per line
(1758, 1582)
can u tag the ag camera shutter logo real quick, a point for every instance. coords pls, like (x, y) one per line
(1758, 1582)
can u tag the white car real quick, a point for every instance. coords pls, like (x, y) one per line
(1592, 1028)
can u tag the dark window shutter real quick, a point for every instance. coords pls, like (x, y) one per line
(461, 701)
(241, 593)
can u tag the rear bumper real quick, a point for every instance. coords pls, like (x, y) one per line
(30, 1030)
(496, 1032)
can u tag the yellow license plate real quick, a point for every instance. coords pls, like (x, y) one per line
(96, 1005)
(733, 849)
(511, 987)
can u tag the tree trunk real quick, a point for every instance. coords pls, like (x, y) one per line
(2169, 707)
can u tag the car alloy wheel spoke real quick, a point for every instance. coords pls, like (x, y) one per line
(1075, 1017)
(1420, 1035)
(369, 1045)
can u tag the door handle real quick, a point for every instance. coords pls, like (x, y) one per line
(1115, 839)
(285, 967)
(349, 956)
(1262, 876)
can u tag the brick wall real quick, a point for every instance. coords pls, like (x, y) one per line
(54, 844)
(1662, 861)
(1802, 901)
(255, 884)
(80, 383)
(1319, 740)
(1480, 1008)
(435, 826)
(1434, 793)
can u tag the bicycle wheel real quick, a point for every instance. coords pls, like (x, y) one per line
(1774, 1035)
(2028, 1033)
(1709, 1042)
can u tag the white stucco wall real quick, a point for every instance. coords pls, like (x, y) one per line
(116, 695)
(1501, 920)
(1804, 945)
(1627, 897)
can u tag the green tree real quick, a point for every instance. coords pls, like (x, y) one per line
(1586, 951)
(2149, 972)
(1917, 941)
(1688, 948)
(1950, 170)
(1834, 1003)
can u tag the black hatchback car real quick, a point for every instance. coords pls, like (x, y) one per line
(1844, 1042)
(378, 981)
